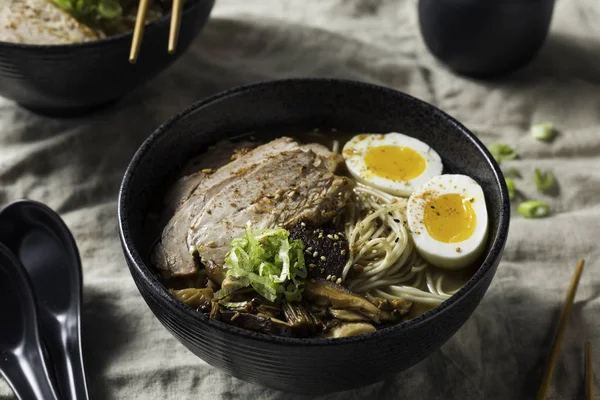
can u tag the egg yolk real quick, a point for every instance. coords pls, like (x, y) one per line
(449, 218)
(395, 163)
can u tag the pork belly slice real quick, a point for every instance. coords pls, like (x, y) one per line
(276, 184)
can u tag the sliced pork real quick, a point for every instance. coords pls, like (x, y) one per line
(276, 184)
(40, 22)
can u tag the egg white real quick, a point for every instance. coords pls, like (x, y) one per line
(355, 150)
(448, 255)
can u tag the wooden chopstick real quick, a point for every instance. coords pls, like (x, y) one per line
(138, 31)
(589, 375)
(562, 324)
(175, 24)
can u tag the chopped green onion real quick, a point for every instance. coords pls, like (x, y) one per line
(533, 209)
(543, 181)
(502, 152)
(542, 131)
(109, 9)
(514, 172)
(269, 261)
(510, 185)
(94, 10)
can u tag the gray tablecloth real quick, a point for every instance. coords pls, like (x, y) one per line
(76, 165)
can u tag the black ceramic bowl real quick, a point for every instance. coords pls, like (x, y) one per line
(72, 79)
(306, 365)
(485, 38)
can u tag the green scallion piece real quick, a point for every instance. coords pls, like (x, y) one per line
(534, 209)
(543, 131)
(543, 181)
(512, 190)
(514, 172)
(109, 9)
(502, 152)
(92, 10)
(270, 261)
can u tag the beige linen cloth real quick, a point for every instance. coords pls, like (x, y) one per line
(76, 166)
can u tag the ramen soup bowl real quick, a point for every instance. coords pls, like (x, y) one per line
(334, 107)
(73, 79)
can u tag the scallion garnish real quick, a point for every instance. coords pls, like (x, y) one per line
(270, 261)
(514, 172)
(533, 209)
(502, 152)
(94, 10)
(543, 181)
(542, 131)
(510, 185)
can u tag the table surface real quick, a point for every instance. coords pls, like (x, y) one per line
(76, 165)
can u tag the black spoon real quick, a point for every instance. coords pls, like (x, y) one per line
(21, 360)
(47, 250)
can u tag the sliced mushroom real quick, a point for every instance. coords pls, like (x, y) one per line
(329, 294)
(196, 298)
(351, 329)
(299, 318)
(230, 285)
(387, 317)
(347, 315)
(268, 310)
(212, 285)
(400, 306)
(260, 323)
(234, 283)
(215, 272)
(197, 280)
(392, 310)
(247, 300)
(215, 311)
(241, 306)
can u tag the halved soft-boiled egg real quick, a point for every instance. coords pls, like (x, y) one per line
(392, 162)
(448, 221)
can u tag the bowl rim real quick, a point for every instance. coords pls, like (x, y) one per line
(189, 4)
(172, 305)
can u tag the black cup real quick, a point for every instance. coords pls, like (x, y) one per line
(485, 38)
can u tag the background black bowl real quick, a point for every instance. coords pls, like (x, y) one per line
(72, 79)
(485, 38)
(306, 365)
